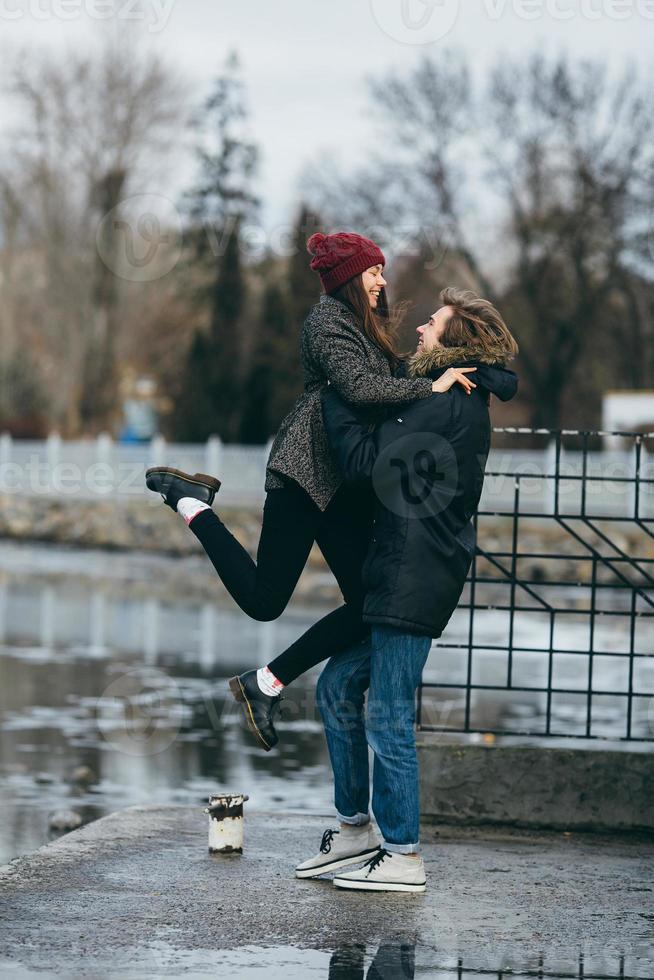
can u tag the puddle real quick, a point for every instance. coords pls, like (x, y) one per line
(393, 960)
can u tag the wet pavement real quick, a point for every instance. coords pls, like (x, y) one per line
(137, 894)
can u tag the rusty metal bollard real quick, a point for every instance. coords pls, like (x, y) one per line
(226, 823)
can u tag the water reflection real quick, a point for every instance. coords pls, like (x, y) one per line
(396, 958)
(404, 960)
(100, 672)
(96, 620)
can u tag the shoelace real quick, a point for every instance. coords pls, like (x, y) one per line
(376, 860)
(327, 838)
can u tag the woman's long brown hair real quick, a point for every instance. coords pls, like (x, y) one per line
(379, 325)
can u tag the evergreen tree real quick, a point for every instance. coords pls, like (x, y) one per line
(210, 399)
(304, 285)
(275, 378)
(261, 415)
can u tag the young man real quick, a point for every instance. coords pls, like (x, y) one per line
(426, 464)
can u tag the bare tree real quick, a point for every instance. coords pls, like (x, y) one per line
(571, 154)
(537, 182)
(92, 128)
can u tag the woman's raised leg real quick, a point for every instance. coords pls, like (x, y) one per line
(263, 587)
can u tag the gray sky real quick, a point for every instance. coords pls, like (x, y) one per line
(305, 61)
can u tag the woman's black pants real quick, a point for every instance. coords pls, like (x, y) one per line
(291, 524)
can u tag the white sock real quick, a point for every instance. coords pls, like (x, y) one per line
(268, 683)
(190, 507)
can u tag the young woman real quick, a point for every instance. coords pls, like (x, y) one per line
(346, 342)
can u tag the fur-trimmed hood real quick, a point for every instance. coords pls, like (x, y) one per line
(424, 363)
(491, 373)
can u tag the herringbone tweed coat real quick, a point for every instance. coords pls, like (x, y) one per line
(333, 349)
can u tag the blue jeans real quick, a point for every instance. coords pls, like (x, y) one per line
(389, 665)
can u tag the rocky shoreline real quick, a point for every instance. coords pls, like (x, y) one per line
(148, 526)
(135, 525)
(128, 543)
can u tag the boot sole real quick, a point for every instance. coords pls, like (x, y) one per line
(335, 865)
(199, 479)
(379, 886)
(239, 694)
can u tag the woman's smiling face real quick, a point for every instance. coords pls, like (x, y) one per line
(373, 283)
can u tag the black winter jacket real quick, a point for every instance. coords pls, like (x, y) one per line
(426, 463)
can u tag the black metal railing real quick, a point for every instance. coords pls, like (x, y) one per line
(554, 634)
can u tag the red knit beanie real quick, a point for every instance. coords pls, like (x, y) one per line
(339, 257)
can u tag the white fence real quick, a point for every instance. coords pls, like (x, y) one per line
(97, 469)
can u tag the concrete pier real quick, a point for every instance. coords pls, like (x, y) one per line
(136, 894)
(536, 785)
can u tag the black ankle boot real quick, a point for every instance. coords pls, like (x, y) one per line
(258, 708)
(175, 484)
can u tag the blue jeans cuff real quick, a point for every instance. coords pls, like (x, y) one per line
(402, 848)
(358, 820)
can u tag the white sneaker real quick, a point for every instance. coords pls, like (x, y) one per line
(387, 872)
(339, 848)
